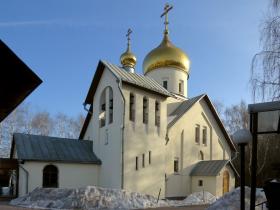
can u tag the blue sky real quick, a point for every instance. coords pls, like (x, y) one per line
(62, 42)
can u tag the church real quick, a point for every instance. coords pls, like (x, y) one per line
(142, 133)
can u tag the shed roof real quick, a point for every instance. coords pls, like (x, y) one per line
(45, 148)
(17, 81)
(208, 167)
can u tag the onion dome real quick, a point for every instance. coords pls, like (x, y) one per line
(166, 54)
(128, 59)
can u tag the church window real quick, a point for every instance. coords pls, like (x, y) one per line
(201, 155)
(164, 84)
(145, 110)
(176, 165)
(204, 136)
(181, 87)
(143, 160)
(136, 163)
(157, 113)
(200, 183)
(132, 107)
(197, 134)
(111, 105)
(102, 109)
(150, 157)
(50, 176)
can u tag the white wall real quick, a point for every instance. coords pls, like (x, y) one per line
(209, 184)
(201, 115)
(107, 143)
(141, 138)
(70, 175)
(173, 76)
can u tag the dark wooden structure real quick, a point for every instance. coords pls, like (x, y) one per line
(272, 192)
(9, 170)
(17, 81)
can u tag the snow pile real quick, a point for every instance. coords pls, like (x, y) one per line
(195, 199)
(231, 200)
(86, 198)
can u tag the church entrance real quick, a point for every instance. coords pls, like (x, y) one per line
(225, 182)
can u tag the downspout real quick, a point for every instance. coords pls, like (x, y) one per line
(122, 133)
(27, 178)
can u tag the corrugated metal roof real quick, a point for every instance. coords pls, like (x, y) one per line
(45, 148)
(136, 79)
(182, 108)
(208, 167)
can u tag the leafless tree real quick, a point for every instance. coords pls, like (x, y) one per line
(265, 68)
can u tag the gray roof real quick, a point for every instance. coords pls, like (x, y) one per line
(121, 74)
(182, 108)
(45, 148)
(208, 167)
(136, 79)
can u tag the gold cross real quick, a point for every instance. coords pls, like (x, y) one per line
(167, 8)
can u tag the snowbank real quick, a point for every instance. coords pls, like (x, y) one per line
(86, 198)
(101, 198)
(231, 200)
(195, 199)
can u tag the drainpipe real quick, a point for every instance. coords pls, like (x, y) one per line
(122, 133)
(27, 175)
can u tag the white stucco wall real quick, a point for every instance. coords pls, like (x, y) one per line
(209, 184)
(70, 175)
(107, 140)
(141, 138)
(173, 76)
(219, 181)
(179, 184)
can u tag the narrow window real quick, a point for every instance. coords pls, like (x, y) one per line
(204, 136)
(157, 114)
(176, 165)
(181, 87)
(50, 176)
(102, 109)
(197, 134)
(143, 160)
(111, 105)
(131, 107)
(200, 183)
(145, 110)
(164, 84)
(136, 163)
(201, 155)
(150, 157)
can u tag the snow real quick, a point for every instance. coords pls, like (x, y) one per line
(92, 197)
(231, 200)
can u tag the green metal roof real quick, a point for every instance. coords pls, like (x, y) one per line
(45, 148)
(208, 167)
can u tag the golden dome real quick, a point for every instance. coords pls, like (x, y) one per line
(128, 58)
(166, 55)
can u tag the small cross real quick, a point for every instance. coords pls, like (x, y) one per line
(167, 8)
(129, 31)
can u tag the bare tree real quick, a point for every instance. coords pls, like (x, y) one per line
(265, 68)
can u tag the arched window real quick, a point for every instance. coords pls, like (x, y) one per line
(132, 107)
(111, 105)
(157, 114)
(102, 109)
(50, 176)
(201, 155)
(145, 110)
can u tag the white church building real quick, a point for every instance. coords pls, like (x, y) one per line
(142, 133)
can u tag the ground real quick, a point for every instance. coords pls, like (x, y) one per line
(5, 206)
